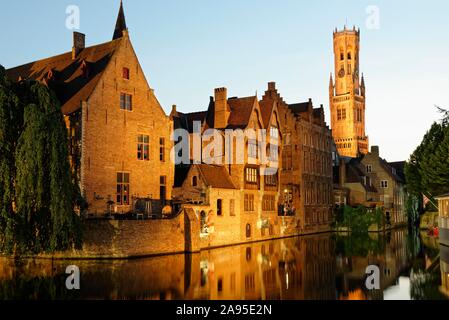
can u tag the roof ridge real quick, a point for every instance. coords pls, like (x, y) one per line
(61, 54)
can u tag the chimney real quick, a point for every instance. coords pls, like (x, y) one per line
(79, 43)
(221, 108)
(375, 151)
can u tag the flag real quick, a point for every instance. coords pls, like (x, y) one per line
(425, 200)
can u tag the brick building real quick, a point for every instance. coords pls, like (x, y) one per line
(306, 175)
(374, 183)
(347, 96)
(120, 137)
(245, 207)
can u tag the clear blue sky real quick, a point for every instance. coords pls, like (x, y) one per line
(187, 48)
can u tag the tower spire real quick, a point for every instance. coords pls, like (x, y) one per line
(120, 25)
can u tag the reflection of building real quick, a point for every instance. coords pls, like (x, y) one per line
(372, 182)
(119, 133)
(289, 269)
(390, 257)
(443, 223)
(444, 266)
(347, 96)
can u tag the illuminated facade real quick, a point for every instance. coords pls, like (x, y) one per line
(347, 96)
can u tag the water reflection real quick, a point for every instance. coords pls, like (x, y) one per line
(320, 267)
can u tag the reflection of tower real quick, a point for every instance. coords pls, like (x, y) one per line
(347, 96)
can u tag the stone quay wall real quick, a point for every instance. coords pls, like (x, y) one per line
(124, 239)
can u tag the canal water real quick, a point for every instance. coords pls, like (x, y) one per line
(320, 267)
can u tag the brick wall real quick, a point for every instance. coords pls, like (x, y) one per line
(130, 238)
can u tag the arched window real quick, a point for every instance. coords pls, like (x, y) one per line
(195, 181)
(248, 230)
(349, 56)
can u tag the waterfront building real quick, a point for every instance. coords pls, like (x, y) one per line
(306, 171)
(347, 96)
(120, 137)
(374, 183)
(240, 198)
(443, 223)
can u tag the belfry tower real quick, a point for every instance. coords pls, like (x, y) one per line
(347, 96)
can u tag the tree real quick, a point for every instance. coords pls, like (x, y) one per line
(43, 193)
(427, 171)
(9, 130)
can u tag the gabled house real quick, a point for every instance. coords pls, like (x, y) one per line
(306, 170)
(374, 183)
(256, 193)
(119, 135)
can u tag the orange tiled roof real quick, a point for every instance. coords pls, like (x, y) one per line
(241, 109)
(216, 176)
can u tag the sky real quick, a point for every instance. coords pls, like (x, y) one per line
(188, 48)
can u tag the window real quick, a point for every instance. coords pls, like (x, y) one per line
(384, 184)
(287, 139)
(219, 207)
(249, 202)
(143, 147)
(274, 133)
(271, 180)
(163, 189)
(342, 56)
(195, 181)
(125, 73)
(252, 149)
(203, 221)
(269, 203)
(273, 152)
(248, 230)
(369, 168)
(162, 149)
(343, 114)
(339, 116)
(123, 188)
(232, 207)
(287, 163)
(349, 56)
(251, 175)
(126, 102)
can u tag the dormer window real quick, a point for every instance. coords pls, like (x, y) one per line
(125, 73)
(194, 181)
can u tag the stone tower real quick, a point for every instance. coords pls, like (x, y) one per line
(347, 96)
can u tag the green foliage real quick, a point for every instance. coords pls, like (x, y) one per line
(359, 219)
(35, 176)
(427, 171)
(359, 245)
